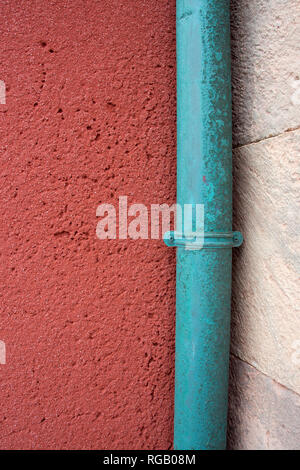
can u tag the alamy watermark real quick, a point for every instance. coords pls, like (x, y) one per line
(295, 97)
(2, 353)
(296, 354)
(2, 92)
(137, 221)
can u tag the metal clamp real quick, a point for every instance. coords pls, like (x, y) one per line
(206, 240)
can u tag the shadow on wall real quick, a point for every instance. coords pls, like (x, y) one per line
(241, 91)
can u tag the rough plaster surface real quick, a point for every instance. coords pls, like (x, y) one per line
(88, 324)
(265, 316)
(263, 415)
(90, 115)
(265, 68)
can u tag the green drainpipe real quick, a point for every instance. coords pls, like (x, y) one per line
(204, 176)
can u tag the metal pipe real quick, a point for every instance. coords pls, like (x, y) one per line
(204, 176)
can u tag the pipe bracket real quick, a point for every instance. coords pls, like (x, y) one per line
(206, 240)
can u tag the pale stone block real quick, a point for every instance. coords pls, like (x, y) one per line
(265, 68)
(263, 415)
(265, 313)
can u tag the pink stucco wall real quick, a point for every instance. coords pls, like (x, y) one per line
(88, 324)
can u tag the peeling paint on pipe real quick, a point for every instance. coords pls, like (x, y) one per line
(204, 176)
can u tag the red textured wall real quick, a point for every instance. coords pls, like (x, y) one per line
(88, 324)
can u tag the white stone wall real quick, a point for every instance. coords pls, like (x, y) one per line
(265, 316)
